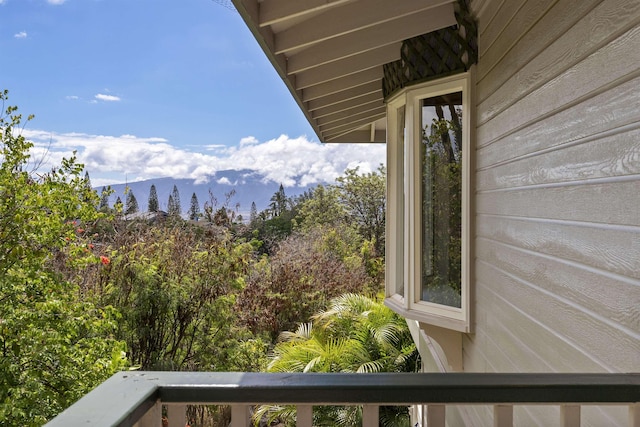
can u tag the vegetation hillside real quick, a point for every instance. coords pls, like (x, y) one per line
(87, 289)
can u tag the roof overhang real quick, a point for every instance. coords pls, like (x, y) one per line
(330, 54)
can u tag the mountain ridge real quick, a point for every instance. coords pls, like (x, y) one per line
(248, 185)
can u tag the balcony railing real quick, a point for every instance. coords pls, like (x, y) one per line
(136, 398)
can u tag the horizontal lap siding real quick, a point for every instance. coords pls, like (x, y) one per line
(605, 114)
(557, 184)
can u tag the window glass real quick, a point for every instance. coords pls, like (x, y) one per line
(441, 204)
(400, 203)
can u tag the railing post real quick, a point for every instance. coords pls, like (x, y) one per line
(502, 416)
(240, 416)
(570, 415)
(177, 415)
(436, 415)
(370, 415)
(634, 415)
(304, 416)
(153, 417)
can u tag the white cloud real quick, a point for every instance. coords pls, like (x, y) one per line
(72, 97)
(249, 140)
(226, 181)
(21, 34)
(56, 2)
(290, 161)
(213, 147)
(107, 98)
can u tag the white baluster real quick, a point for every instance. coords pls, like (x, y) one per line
(502, 416)
(153, 417)
(370, 415)
(436, 415)
(240, 416)
(304, 416)
(570, 415)
(634, 415)
(177, 415)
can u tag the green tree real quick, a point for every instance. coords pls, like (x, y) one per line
(173, 207)
(132, 203)
(279, 202)
(104, 199)
(54, 347)
(87, 180)
(153, 205)
(175, 288)
(323, 207)
(194, 209)
(326, 208)
(253, 215)
(223, 215)
(364, 198)
(275, 223)
(355, 334)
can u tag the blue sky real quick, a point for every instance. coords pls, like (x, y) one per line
(151, 88)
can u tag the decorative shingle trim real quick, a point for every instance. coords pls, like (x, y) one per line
(436, 54)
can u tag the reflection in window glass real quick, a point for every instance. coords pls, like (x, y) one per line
(441, 193)
(400, 248)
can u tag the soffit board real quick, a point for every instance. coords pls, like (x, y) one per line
(330, 47)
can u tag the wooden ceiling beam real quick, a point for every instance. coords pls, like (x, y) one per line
(277, 11)
(374, 107)
(332, 23)
(354, 122)
(332, 132)
(347, 66)
(371, 38)
(348, 104)
(359, 136)
(343, 83)
(345, 95)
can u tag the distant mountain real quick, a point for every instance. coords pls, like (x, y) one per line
(249, 187)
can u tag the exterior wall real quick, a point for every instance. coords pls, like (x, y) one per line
(557, 223)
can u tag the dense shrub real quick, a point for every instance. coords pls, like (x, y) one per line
(307, 270)
(54, 347)
(175, 285)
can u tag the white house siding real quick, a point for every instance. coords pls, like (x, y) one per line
(557, 247)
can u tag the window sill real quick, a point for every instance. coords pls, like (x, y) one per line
(428, 318)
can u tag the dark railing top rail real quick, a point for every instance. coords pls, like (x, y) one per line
(127, 395)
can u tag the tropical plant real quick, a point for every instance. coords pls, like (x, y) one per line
(355, 334)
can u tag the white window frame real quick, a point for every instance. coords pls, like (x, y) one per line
(403, 239)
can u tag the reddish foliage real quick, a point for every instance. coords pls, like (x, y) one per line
(298, 281)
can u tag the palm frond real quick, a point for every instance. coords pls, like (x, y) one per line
(371, 367)
(310, 366)
(387, 335)
(271, 413)
(303, 332)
